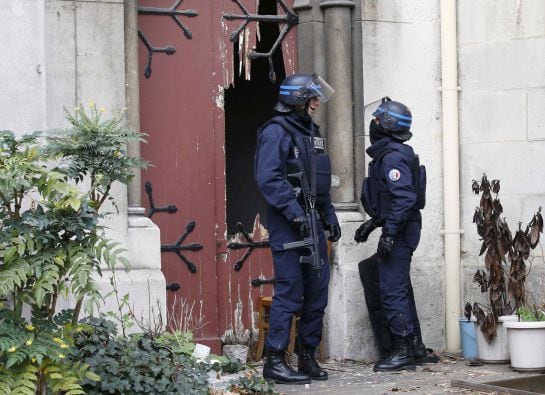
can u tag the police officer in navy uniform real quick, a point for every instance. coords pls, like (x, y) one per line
(285, 146)
(393, 195)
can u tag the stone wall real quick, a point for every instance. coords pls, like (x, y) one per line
(502, 134)
(502, 122)
(60, 53)
(401, 59)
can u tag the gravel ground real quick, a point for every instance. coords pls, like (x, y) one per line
(349, 377)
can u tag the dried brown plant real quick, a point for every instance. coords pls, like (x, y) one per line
(499, 247)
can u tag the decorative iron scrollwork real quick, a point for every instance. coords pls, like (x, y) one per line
(171, 209)
(258, 282)
(251, 245)
(173, 12)
(290, 19)
(178, 246)
(173, 287)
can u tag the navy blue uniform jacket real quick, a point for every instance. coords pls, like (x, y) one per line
(276, 149)
(394, 172)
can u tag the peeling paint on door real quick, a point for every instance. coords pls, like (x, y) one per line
(183, 112)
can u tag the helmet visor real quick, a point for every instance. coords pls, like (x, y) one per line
(371, 108)
(320, 88)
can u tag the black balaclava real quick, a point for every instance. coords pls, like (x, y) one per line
(301, 115)
(377, 132)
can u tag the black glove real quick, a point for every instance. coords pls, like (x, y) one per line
(385, 245)
(334, 232)
(365, 229)
(301, 225)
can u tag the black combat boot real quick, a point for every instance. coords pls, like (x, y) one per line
(307, 363)
(401, 357)
(419, 349)
(422, 355)
(277, 369)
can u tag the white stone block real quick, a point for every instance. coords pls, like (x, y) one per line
(23, 67)
(501, 21)
(530, 18)
(486, 21)
(518, 165)
(400, 11)
(497, 65)
(101, 54)
(116, 220)
(147, 295)
(536, 115)
(144, 243)
(60, 50)
(415, 50)
(492, 116)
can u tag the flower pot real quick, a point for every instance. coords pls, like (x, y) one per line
(526, 345)
(469, 340)
(497, 350)
(236, 352)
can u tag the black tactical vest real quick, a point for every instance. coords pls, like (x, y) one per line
(299, 157)
(376, 198)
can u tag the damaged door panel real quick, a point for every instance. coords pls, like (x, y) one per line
(201, 108)
(284, 16)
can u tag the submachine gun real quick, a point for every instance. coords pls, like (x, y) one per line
(311, 242)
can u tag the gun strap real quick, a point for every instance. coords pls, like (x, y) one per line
(309, 185)
(312, 167)
(304, 180)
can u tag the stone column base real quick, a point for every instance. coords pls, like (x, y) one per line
(147, 296)
(348, 331)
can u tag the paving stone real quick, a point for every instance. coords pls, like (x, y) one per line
(351, 377)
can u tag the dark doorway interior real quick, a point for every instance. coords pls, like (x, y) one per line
(249, 104)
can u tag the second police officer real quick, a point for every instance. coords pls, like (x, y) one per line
(393, 195)
(291, 143)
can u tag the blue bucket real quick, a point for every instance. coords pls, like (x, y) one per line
(469, 340)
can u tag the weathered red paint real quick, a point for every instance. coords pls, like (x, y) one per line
(181, 110)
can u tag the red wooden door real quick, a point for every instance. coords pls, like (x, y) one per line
(200, 107)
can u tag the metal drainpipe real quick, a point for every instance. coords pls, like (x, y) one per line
(132, 99)
(451, 173)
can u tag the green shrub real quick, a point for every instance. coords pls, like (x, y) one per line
(533, 313)
(137, 364)
(51, 245)
(39, 356)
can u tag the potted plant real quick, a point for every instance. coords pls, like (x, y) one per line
(505, 272)
(526, 339)
(236, 341)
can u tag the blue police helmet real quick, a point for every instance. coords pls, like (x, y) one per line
(297, 89)
(395, 117)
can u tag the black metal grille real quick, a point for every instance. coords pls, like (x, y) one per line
(172, 12)
(250, 245)
(289, 19)
(178, 246)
